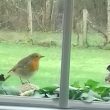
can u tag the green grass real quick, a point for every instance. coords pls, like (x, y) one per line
(89, 64)
(49, 71)
(86, 64)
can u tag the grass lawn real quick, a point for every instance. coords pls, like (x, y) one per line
(86, 64)
(49, 71)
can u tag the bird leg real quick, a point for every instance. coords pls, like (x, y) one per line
(28, 81)
(21, 80)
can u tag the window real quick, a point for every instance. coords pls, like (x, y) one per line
(29, 30)
(22, 17)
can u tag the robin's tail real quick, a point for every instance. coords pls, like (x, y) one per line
(8, 76)
(10, 70)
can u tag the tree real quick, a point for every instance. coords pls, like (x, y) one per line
(85, 15)
(108, 21)
(54, 14)
(49, 7)
(29, 16)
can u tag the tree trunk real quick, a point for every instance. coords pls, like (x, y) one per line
(108, 21)
(49, 5)
(44, 15)
(29, 17)
(78, 30)
(85, 15)
(54, 15)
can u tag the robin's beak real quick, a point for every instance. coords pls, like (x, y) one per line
(42, 56)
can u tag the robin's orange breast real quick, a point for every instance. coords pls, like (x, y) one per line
(35, 64)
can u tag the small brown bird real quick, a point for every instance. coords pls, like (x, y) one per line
(26, 66)
(107, 78)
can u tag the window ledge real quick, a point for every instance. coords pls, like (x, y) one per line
(50, 103)
(89, 106)
(28, 102)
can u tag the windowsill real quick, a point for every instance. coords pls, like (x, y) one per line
(28, 102)
(24, 108)
(49, 103)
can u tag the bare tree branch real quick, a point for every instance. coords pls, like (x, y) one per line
(99, 30)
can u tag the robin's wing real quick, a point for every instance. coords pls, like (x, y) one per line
(30, 64)
(24, 63)
(12, 69)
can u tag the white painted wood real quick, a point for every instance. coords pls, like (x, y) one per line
(66, 48)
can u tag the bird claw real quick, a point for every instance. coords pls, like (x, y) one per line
(25, 82)
(28, 81)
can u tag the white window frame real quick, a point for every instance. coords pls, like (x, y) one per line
(63, 101)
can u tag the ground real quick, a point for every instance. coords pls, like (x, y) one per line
(89, 63)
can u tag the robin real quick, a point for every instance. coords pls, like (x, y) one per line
(26, 67)
(107, 78)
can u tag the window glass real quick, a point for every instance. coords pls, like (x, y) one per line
(27, 28)
(90, 47)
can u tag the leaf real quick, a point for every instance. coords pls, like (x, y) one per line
(94, 94)
(84, 96)
(92, 91)
(76, 84)
(37, 94)
(77, 95)
(103, 91)
(89, 97)
(1, 83)
(91, 83)
(42, 91)
(2, 91)
(48, 90)
(2, 78)
(11, 90)
(106, 98)
(86, 89)
(52, 96)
